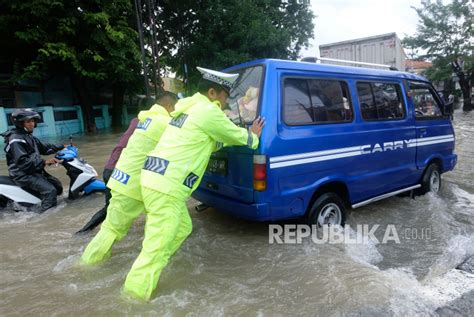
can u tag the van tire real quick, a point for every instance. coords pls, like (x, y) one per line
(332, 206)
(431, 180)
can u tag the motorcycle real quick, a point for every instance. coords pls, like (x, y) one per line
(83, 181)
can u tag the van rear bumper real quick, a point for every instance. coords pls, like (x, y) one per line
(255, 212)
(450, 162)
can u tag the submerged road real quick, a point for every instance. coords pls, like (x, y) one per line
(227, 266)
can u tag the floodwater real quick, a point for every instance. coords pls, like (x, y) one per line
(228, 267)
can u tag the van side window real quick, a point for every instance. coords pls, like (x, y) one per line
(366, 101)
(330, 100)
(426, 104)
(314, 101)
(380, 101)
(297, 104)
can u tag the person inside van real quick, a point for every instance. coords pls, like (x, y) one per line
(247, 104)
(173, 170)
(23, 154)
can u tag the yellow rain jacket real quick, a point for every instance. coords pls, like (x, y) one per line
(170, 173)
(127, 202)
(125, 178)
(176, 166)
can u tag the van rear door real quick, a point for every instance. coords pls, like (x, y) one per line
(230, 170)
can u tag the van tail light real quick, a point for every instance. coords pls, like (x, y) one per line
(259, 172)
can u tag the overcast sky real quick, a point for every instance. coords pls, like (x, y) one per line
(340, 20)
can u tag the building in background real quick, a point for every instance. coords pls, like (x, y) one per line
(55, 101)
(173, 84)
(417, 67)
(380, 49)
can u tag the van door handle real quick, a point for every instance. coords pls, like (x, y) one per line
(422, 132)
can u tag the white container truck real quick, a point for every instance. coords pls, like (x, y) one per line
(380, 49)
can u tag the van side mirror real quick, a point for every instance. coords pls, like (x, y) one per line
(448, 108)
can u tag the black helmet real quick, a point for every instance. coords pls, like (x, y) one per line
(21, 115)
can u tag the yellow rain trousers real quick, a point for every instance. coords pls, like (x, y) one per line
(172, 171)
(127, 203)
(121, 214)
(167, 226)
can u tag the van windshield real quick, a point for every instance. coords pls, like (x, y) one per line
(244, 97)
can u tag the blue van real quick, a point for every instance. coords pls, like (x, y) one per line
(336, 137)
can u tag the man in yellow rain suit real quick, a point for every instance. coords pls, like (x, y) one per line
(127, 203)
(173, 170)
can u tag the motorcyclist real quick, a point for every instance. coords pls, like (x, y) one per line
(23, 154)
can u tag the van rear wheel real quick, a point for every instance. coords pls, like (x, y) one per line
(328, 209)
(431, 181)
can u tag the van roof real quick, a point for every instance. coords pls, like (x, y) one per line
(305, 66)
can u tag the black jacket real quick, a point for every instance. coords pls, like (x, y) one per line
(23, 152)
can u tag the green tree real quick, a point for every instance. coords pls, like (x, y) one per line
(218, 33)
(116, 40)
(95, 42)
(445, 33)
(90, 41)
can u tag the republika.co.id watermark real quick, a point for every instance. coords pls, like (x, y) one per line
(361, 234)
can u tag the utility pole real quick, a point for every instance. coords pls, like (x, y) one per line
(138, 10)
(154, 49)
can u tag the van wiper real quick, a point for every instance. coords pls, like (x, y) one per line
(234, 96)
(241, 122)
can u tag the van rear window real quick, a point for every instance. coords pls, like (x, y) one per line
(244, 97)
(316, 101)
(380, 101)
